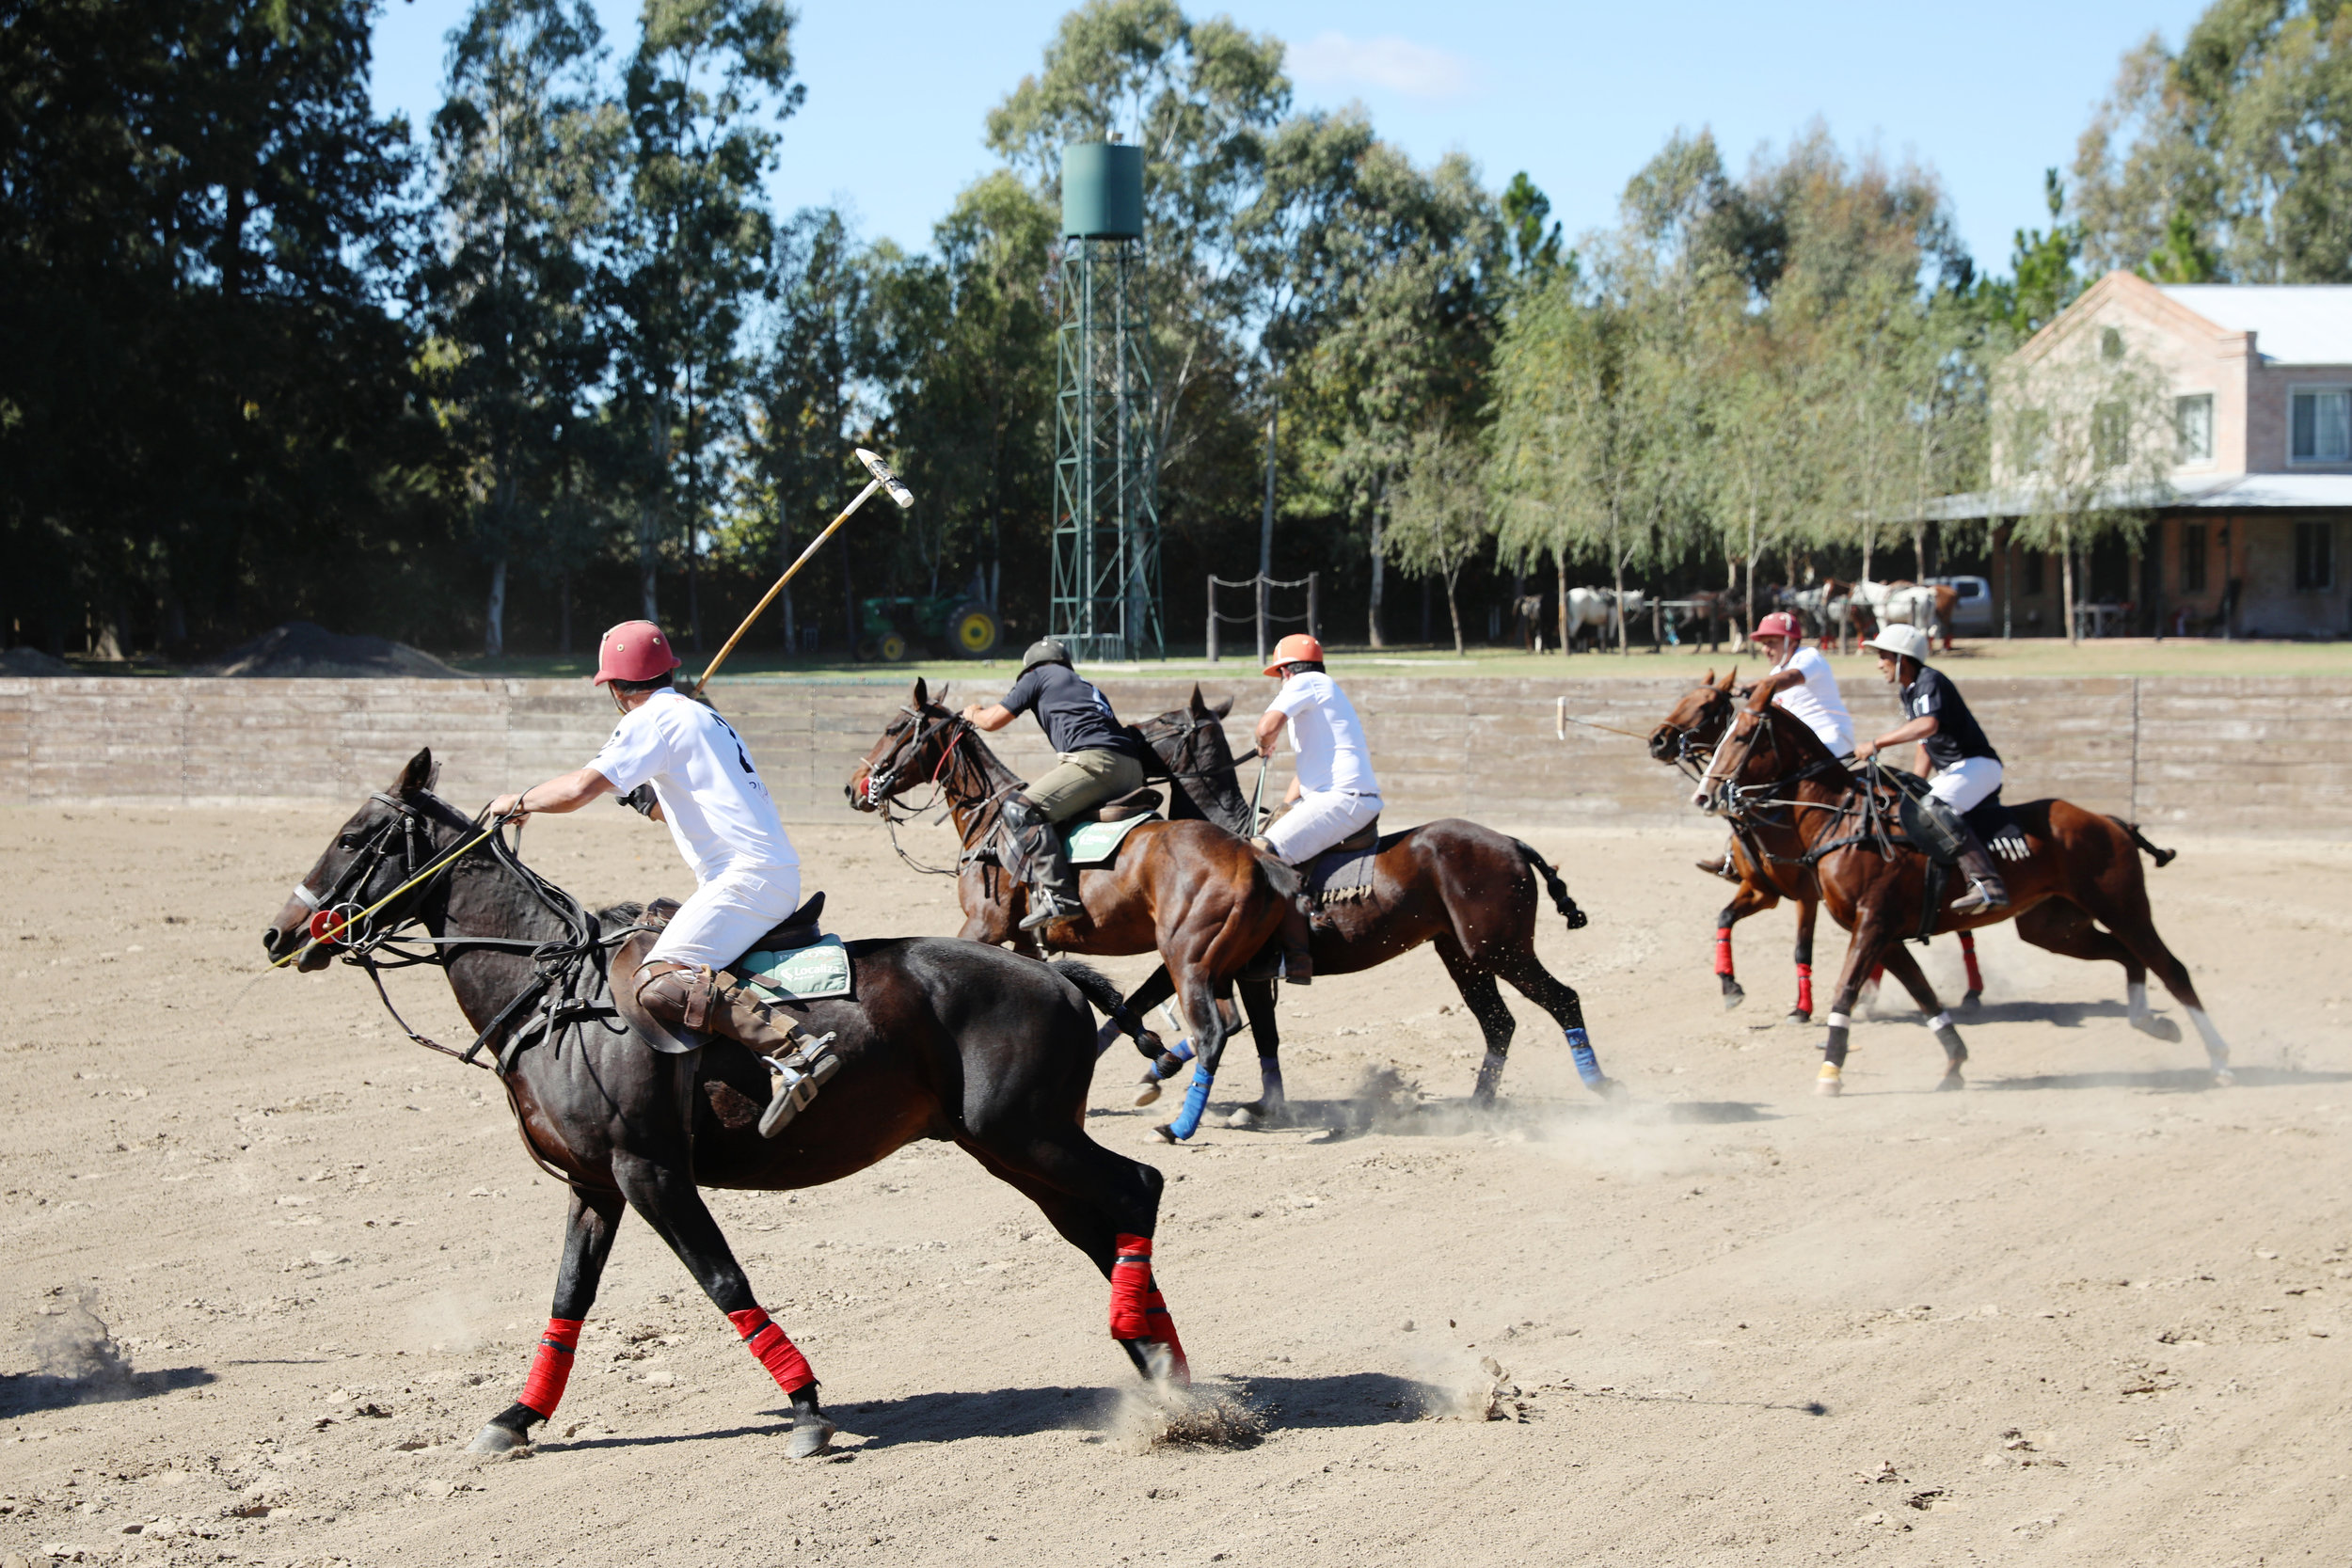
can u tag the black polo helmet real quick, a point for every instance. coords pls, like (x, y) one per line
(1043, 651)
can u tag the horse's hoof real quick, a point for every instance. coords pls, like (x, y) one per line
(1159, 1363)
(2223, 1078)
(1162, 1135)
(2161, 1028)
(495, 1439)
(812, 1434)
(1830, 1084)
(1245, 1118)
(1798, 1015)
(1950, 1082)
(1972, 1003)
(1733, 995)
(1611, 1089)
(1150, 1092)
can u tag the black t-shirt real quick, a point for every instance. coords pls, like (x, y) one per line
(1957, 733)
(1075, 716)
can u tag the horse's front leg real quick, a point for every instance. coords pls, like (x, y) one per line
(1869, 935)
(1750, 899)
(588, 1233)
(1808, 911)
(1904, 967)
(666, 1196)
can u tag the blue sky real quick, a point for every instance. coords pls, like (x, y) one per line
(1578, 95)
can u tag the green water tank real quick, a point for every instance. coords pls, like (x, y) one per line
(1102, 191)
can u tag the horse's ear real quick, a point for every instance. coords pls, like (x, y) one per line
(418, 775)
(1709, 679)
(922, 697)
(1224, 706)
(1197, 708)
(940, 696)
(1730, 675)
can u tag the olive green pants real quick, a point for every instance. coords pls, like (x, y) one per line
(1083, 779)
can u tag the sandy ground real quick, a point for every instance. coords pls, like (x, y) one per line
(2093, 1310)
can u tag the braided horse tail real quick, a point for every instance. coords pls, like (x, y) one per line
(1558, 889)
(2162, 857)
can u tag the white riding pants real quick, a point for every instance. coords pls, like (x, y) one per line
(1965, 784)
(1318, 821)
(720, 920)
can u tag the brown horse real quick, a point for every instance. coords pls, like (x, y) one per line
(1207, 902)
(1685, 739)
(942, 1039)
(1774, 781)
(1471, 893)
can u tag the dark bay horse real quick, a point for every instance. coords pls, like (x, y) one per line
(1685, 738)
(1772, 777)
(1471, 893)
(942, 1039)
(1208, 903)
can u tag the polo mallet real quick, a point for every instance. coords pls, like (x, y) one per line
(884, 480)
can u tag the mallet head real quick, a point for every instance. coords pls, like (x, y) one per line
(881, 471)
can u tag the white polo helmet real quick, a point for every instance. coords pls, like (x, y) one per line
(1904, 641)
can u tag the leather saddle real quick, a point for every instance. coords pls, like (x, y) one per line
(1118, 808)
(798, 929)
(1343, 872)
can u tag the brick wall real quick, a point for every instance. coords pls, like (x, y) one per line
(2239, 754)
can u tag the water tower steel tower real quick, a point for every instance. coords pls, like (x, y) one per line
(1106, 517)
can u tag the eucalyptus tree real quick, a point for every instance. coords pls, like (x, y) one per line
(707, 78)
(523, 147)
(1444, 516)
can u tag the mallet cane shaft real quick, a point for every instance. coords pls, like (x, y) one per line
(882, 479)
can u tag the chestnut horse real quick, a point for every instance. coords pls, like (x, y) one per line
(1684, 740)
(1775, 781)
(942, 1039)
(1471, 893)
(1208, 903)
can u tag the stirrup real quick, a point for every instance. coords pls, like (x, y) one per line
(804, 1070)
(1980, 895)
(1050, 911)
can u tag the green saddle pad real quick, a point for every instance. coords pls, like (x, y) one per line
(808, 974)
(1097, 843)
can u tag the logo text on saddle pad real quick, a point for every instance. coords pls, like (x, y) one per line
(1097, 843)
(808, 974)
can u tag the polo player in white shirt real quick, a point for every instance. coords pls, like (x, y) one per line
(1333, 790)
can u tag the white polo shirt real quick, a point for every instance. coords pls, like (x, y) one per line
(1817, 701)
(1327, 735)
(718, 812)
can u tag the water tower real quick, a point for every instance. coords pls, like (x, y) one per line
(1106, 517)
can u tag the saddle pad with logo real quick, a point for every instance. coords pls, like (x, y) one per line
(809, 974)
(1097, 843)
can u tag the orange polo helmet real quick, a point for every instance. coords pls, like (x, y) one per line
(1297, 648)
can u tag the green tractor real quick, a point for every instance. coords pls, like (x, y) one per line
(891, 627)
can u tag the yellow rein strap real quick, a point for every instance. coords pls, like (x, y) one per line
(434, 870)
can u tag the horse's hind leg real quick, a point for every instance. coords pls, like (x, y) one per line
(1210, 1030)
(671, 1203)
(1531, 980)
(1156, 988)
(1484, 1000)
(1107, 1207)
(1900, 964)
(2059, 927)
(1272, 1107)
(2135, 932)
(588, 1233)
(1973, 997)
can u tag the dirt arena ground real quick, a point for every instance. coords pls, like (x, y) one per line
(2091, 1311)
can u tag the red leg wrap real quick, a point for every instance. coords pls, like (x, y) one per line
(543, 1390)
(1805, 987)
(1968, 956)
(1164, 1330)
(768, 1345)
(1722, 949)
(1878, 973)
(1131, 1285)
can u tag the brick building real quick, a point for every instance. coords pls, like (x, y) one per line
(2251, 542)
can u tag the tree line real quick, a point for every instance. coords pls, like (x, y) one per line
(552, 356)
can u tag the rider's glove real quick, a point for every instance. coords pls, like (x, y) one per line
(639, 800)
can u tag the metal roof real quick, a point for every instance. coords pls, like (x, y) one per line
(2294, 323)
(2221, 493)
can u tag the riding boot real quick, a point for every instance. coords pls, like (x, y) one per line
(718, 1002)
(1053, 886)
(1985, 888)
(1725, 867)
(1298, 962)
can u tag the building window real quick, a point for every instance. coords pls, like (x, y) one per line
(2110, 344)
(2110, 435)
(2034, 560)
(2192, 558)
(2322, 427)
(2192, 428)
(2315, 555)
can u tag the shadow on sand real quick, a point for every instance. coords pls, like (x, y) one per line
(27, 1393)
(1534, 1119)
(2168, 1081)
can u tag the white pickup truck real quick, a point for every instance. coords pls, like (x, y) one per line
(1973, 610)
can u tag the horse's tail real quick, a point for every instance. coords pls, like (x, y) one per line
(1552, 884)
(1282, 877)
(1106, 999)
(2162, 857)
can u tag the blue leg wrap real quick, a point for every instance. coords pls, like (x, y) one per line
(1188, 1121)
(1182, 1051)
(1587, 1064)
